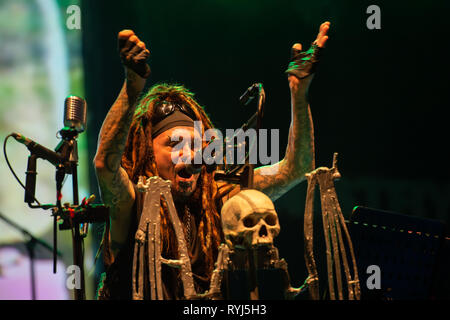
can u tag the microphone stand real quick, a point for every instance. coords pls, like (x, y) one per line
(30, 245)
(76, 217)
(69, 148)
(245, 177)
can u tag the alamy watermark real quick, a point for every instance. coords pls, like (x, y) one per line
(374, 20)
(231, 147)
(374, 280)
(74, 279)
(73, 21)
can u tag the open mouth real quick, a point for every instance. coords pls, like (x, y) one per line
(184, 173)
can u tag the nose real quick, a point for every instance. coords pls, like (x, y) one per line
(186, 153)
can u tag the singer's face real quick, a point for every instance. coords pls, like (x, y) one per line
(173, 149)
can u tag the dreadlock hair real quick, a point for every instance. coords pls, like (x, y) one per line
(139, 160)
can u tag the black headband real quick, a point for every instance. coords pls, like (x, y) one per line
(176, 119)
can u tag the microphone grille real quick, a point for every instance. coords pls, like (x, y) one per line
(75, 113)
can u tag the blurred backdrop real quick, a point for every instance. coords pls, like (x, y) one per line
(40, 64)
(379, 99)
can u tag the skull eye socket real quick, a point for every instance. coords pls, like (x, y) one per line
(248, 222)
(271, 219)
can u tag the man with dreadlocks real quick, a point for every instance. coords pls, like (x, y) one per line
(135, 140)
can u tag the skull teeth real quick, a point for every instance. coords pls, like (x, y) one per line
(250, 215)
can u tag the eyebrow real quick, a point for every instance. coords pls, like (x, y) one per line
(192, 137)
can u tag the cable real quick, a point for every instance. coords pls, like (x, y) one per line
(12, 171)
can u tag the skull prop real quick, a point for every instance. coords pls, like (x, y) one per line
(249, 220)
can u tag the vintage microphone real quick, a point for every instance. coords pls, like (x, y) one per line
(74, 123)
(75, 113)
(74, 119)
(65, 159)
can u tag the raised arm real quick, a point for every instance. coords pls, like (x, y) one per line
(275, 180)
(115, 187)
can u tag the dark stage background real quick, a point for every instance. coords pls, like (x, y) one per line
(379, 98)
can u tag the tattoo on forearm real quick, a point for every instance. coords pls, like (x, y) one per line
(112, 160)
(299, 157)
(112, 139)
(274, 186)
(110, 196)
(114, 132)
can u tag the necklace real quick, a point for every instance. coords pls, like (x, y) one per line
(187, 223)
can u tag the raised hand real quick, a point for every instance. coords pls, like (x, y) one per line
(133, 53)
(303, 63)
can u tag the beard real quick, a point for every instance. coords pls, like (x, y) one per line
(182, 190)
(190, 191)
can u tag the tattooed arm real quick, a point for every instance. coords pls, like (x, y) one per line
(277, 179)
(115, 186)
